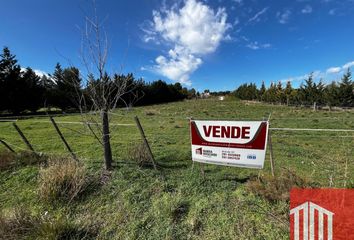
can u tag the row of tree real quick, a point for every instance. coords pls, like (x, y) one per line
(23, 90)
(338, 93)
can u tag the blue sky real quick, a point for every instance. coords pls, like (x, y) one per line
(214, 45)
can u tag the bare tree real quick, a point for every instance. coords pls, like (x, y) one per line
(103, 92)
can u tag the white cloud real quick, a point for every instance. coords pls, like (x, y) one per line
(38, 72)
(283, 17)
(236, 22)
(192, 31)
(195, 26)
(150, 36)
(255, 45)
(294, 79)
(178, 66)
(307, 9)
(332, 11)
(334, 70)
(348, 65)
(327, 75)
(316, 74)
(256, 17)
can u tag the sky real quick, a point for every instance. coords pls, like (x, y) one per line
(204, 44)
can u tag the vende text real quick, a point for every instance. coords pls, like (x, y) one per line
(227, 132)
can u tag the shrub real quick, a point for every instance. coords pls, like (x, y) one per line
(278, 187)
(151, 112)
(139, 154)
(24, 158)
(63, 179)
(7, 160)
(63, 228)
(20, 224)
(24, 225)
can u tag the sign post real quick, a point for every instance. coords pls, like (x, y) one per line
(230, 143)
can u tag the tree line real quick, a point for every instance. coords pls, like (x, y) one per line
(23, 90)
(337, 93)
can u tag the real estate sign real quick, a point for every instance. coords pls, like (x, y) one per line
(232, 143)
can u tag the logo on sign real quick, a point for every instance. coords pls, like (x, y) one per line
(199, 151)
(324, 214)
(251, 156)
(323, 218)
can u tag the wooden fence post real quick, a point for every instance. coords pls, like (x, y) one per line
(271, 153)
(145, 141)
(7, 145)
(62, 138)
(24, 138)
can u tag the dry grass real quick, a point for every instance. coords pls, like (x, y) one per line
(151, 112)
(25, 158)
(18, 225)
(9, 160)
(63, 179)
(278, 187)
(21, 224)
(139, 154)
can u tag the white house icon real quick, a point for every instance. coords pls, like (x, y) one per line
(308, 209)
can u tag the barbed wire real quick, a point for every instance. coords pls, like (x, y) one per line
(313, 129)
(173, 117)
(305, 136)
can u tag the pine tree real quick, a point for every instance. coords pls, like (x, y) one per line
(47, 83)
(271, 94)
(262, 91)
(308, 91)
(288, 91)
(33, 97)
(318, 92)
(10, 82)
(67, 83)
(8, 63)
(346, 90)
(280, 93)
(331, 95)
(58, 74)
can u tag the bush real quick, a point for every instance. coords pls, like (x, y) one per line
(278, 187)
(7, 160)
(139, 154)
(63, 179)
(24, 158)
(151, 112)
(24, 225)
(18, 225)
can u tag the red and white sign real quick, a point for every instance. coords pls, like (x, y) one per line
(321, 214)
(234, 143)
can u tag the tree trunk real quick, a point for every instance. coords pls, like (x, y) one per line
(106, 140)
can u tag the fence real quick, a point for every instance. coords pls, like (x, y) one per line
(324, 154)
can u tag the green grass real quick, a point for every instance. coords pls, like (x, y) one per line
(138, 204)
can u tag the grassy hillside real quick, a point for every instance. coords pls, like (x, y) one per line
(137, 203)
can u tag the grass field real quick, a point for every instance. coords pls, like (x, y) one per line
(136, 203)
